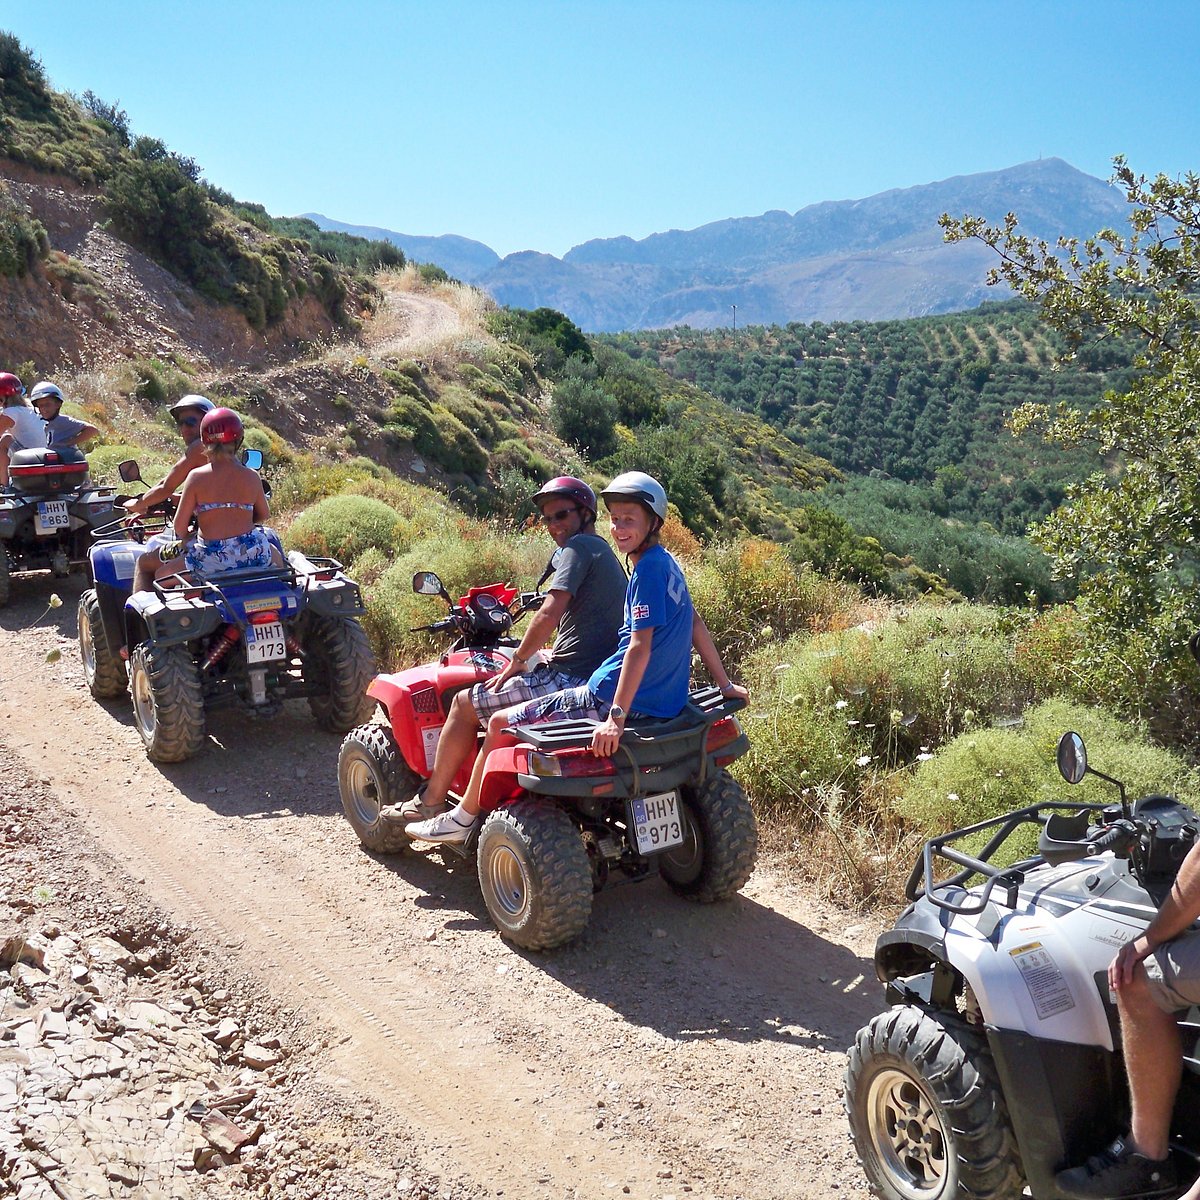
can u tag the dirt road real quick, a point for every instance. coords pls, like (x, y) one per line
(674, 1050)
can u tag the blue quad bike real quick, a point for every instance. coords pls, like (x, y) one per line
(251, 638)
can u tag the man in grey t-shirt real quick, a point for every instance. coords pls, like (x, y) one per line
(584, 603)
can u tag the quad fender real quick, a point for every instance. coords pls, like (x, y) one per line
(114, 563)
(417, 702)
(500, 783)
(149, 618)
(1032, 972)
(337, 597)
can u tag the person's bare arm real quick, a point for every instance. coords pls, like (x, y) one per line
(538, 632)
(607, 736)
(710, 656)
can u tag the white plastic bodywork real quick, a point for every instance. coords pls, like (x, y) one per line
(1035, 971)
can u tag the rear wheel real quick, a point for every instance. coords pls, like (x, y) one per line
(720, 842)
(534, 874)
(103, 670)
(372, 774)
(5, 580)
(168, 701)
(926, 1111)
(339, 664)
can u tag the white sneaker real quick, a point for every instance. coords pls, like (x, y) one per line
(442, 828)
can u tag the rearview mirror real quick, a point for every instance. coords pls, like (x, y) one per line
(253, 459)
(1072, 758)
(129, 471)
(426, 583)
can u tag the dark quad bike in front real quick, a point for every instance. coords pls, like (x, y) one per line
(558, 822)
(249, 638)
(999, 1063)
(48, 512)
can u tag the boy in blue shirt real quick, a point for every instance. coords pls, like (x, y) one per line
(647, 675)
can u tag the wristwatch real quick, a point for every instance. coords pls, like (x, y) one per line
(617, 711)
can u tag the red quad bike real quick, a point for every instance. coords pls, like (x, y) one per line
(558, 822)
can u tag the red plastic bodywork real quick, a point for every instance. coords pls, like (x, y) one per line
(417, 701)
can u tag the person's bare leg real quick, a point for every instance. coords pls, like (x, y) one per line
(457, 742)
(147, 567)
(1153, 1062)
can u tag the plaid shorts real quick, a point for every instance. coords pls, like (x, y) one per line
(540, 681)
(570, 704)
(1173, 972)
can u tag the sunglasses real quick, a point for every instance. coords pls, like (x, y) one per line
(187, 422)
(550, 518)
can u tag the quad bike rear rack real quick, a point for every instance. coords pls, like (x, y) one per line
(923, 879)
(653, 756)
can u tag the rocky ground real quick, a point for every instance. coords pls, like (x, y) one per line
(209, 989)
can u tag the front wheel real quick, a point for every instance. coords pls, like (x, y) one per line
(372, 774)
(339, 666)
(926, 1111)
(720, 842)
(103, 670)
(168, 701)
(534, 874)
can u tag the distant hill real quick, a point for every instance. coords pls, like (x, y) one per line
(878, 258)
(460, 256)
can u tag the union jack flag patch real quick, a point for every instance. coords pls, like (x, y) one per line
(641, 612)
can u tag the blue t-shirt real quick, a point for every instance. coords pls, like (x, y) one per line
(657, 598)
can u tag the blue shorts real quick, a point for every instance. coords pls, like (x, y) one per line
(540, 681)
(235, 553)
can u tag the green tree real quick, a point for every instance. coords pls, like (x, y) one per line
(585, 415)
(1127, 534)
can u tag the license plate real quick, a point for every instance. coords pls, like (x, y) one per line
(51, 516)
(264, 643)
(657, 824)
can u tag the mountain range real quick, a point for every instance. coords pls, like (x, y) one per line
(877, 258)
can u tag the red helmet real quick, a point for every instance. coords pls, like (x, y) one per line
(10, 385)
(220, 426)
(570, 487)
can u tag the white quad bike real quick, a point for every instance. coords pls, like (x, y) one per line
(998, 1063)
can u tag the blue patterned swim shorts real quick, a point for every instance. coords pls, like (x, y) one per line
(251, 549)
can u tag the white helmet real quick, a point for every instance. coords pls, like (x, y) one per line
(199, 403)
(641, 488)
(46, 388)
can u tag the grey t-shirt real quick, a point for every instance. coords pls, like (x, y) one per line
(587, 632)
(59, 428)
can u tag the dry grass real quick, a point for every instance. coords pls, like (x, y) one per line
(861, 864)
(439, 324)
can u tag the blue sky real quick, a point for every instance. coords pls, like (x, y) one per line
(538, 125)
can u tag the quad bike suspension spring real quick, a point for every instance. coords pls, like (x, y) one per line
(224, 642)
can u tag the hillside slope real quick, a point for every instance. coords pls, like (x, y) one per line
(97, 299)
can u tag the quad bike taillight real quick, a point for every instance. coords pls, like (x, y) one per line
(569, 764)
(720, 735)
